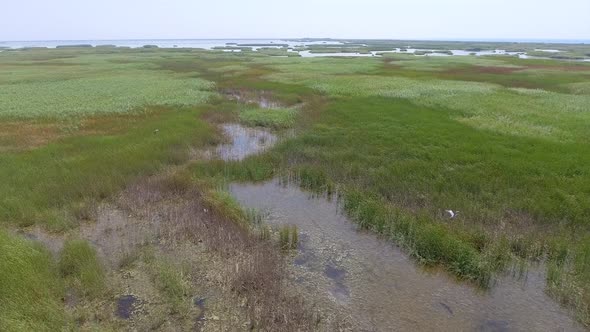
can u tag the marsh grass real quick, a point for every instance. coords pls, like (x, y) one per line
(90, 168)
(568, 276)
(31, 291)
(284, 237)
(256, 217)
(202, 214)
(265, 233)
(400, 140)
(288, 237)
(294, 237)
(399, 162)
(265, 117)
(172, 282)
(90, 85)
(81, 268)
(91, 96)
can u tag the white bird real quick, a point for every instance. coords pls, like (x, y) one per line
(452, 214)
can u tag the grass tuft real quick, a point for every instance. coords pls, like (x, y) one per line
(80, 265)
(273, 118)
(31, 290)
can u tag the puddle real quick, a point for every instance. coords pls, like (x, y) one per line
(199, 302)
(126, 306)
(262, 99)
(244, 142)
(381, 289)
(494, 326)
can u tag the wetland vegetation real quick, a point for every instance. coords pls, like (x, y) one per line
(116, 165)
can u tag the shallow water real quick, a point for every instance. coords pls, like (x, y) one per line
(244, 141)
(262, 99)
(381, 289)
(199, 302)
(125, 306)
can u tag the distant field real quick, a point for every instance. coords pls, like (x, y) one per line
(402, 138)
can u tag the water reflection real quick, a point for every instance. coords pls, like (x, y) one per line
(244, 141)
(381, 288)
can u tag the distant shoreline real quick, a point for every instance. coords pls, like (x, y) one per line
(483, 40)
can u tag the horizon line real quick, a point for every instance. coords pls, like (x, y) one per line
(513, 40)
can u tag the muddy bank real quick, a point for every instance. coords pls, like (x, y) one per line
(381, 289)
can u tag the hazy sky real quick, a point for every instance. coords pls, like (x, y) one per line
(420, 19)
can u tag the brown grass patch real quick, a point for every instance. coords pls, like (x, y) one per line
(23, 135)
(561, 67)
(482, 70)
(251, 269)
(40, 55)
(391, 64)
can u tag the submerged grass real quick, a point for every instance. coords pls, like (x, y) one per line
(288, 237)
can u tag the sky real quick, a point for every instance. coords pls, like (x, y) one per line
(408, 19)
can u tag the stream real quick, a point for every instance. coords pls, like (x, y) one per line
(382, 289)
(375, 284)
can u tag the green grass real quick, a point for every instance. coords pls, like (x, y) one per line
(288, 237)
(264, 117)
(321, 66)
(90, 85)
(93, 167)
(80, 266)
(31, 290)
(402, 138)
(170, 281)
(403, 146)
(117, 96)
(568, 276)
(513, 111)
(438, 162)
(97, 95)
